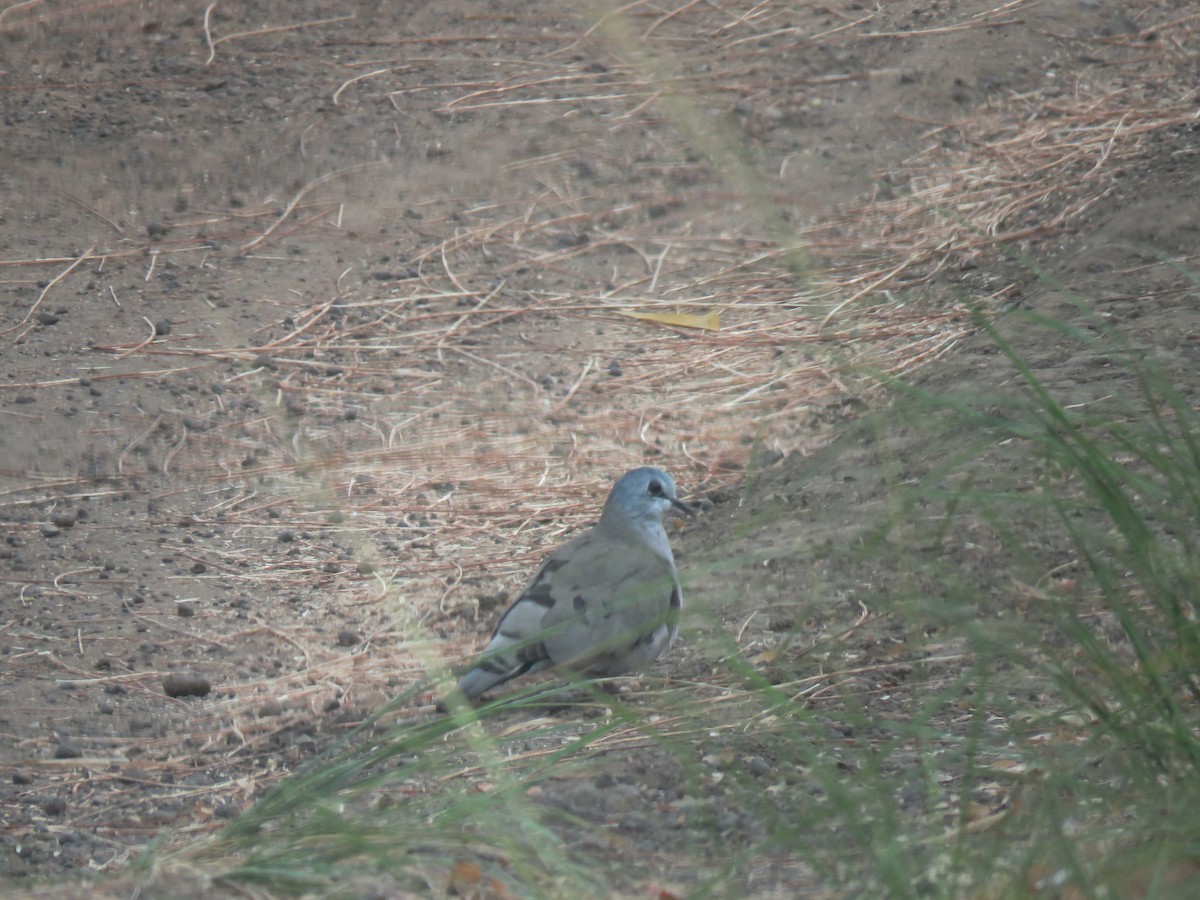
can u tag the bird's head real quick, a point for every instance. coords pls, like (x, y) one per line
(645, 493)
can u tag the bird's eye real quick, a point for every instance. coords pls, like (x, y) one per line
(655, 488)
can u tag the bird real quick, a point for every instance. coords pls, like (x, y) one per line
(605, 603)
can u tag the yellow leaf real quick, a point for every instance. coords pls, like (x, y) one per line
(710, 321)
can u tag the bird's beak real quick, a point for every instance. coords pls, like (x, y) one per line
(682, 507)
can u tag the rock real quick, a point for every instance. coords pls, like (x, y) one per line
(756, 765)
(347, 637)
(186, 684)
(225, 810)
(270, 708)
(67, 750)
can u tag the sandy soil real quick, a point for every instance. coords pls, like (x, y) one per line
(313, 332)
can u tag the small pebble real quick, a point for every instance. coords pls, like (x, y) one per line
(225, 810)
(55, 806)
(270, 708)
(63, 519)
(22, 778)
(49, 530)
(185, 610)
(347, 637)
(758, 766)
(67, 750)
(185, 684)
(162, 327)
(47, 318)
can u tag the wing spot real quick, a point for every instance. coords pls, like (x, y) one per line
(540, 594)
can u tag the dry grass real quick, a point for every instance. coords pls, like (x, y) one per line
(441, 402)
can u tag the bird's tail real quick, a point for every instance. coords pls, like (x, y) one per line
(504, 658)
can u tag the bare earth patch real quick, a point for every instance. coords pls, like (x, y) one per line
(322, 321)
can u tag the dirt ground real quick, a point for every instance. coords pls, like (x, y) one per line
(314, 339)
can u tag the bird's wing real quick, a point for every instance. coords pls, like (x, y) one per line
(605, 602)
(597, 604)
(514, 648)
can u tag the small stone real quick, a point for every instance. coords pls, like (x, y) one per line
(286, 537)
(162, 327)
(185, 609)
(186, 684)
(758, 766)
(22, 778)
(156, 231)
(270, 708)
(225, 810)
(331, 704)
(55, 806)
(67, 750)
(47, 318)
(63, 519)
(347, 637)
(49, 530)
(199, 568)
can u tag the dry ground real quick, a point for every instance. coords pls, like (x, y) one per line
(315, 335)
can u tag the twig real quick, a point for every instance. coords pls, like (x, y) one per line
(562, 404)
(137, 440)
(137, 347)
(357, 78)
(258, 32)
(212, 48)
(330, 176)
(87, 254)
(23, 5)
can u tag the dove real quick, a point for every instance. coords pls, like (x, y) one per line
(604, 603)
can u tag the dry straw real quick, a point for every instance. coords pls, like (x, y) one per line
(526, 386)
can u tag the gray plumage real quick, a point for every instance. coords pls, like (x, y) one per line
(604, 603)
